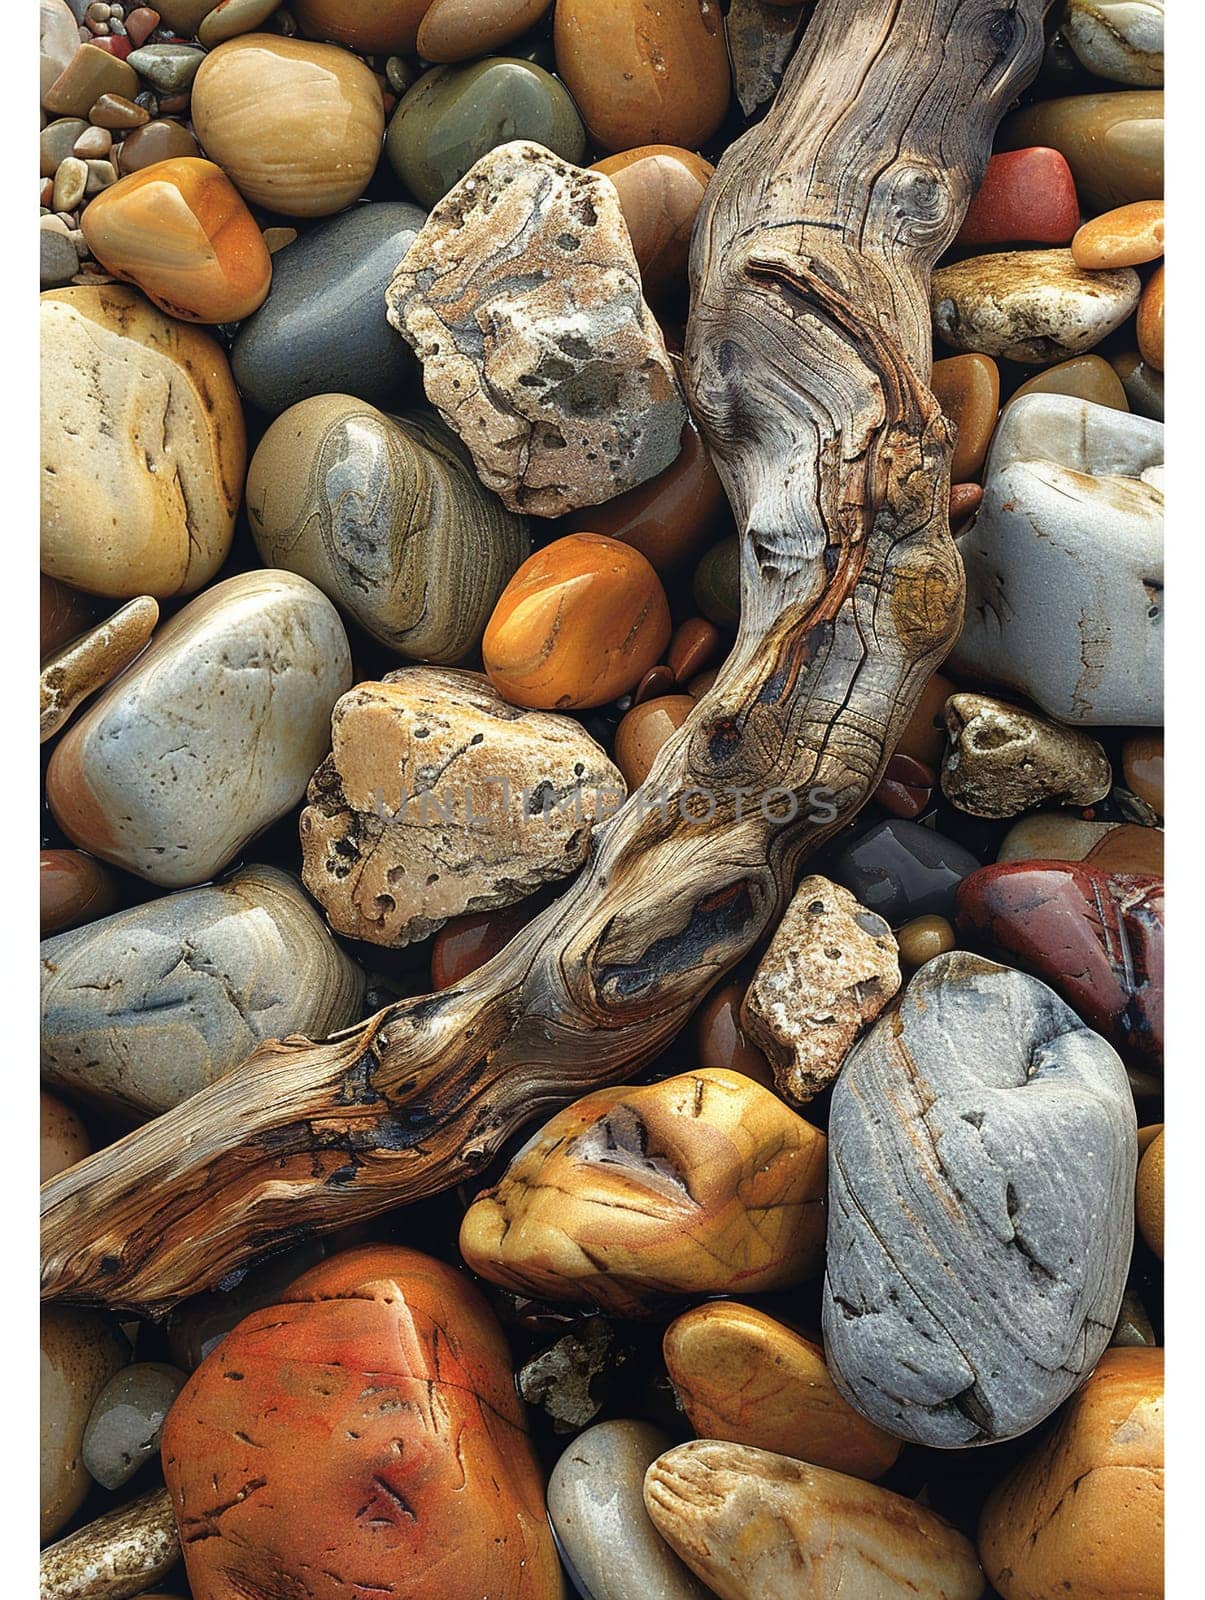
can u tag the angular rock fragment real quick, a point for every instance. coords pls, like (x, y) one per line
(440, 798)
(522, 297)
(1001, 760)
(830, 969)
(981, 1207)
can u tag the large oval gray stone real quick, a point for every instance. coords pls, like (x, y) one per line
(322, 329)
(149, 1006)
(982, 1153)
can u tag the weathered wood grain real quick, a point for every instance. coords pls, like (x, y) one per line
(807, 359)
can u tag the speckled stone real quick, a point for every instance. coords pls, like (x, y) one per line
(387, 517)
(322, 329)
(596, 1507)
(981, 1207)
(126, 1421)
(117, 1555)
(901, 870)
(81, 1350)
(168, 68)
(545, 359)
(1064, 563)
(1001, 760)
(81, 668)
(454, 115)
(210, 737)
(151, 1005)
(761, 37)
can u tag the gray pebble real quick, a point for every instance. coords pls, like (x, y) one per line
(126, 1423)
(322, 329)
(902, 870)
(982, 1154)
(168, 68)
(57, 260)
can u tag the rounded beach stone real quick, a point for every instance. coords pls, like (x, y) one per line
(1031, 306)
(168, 68)
(181, 232)
(644, 71)
(81, 668)
(1081, 1517)
(373, 27)
(1083, 377)
(73, 888)
(1142, 383)
(1117, 39)
(1142, 767)
(296, 126)
(439, 798)
(968, 391)
(644, 729)
(205, 976)
(744, 1377)
(923, 938)
(596, 1507)
(143, 446)
(58, 260)
(116, 1555)
(453, 116)
(90, 74)
(232, 17)
(454, 30)
(717, 584)
(579, 624)
(58, 40)
(81, 1350)
(1150, 321)
(322, 330)
(1126, 237)
(465, 943)
(1109, 846)
(700, 1184)
(829, 970)
(981, 1207)
(720, 1039)
(126, 1420)
(759, 1526)
(1149, 1195)
(386, 515)
(901, 870)
(379, 1390)
(210, 737)
(660, 188)
(1001, 760)
(1095, 936)
(63, 1139)
(159, 140)
(1113, 142)
(1026, 197)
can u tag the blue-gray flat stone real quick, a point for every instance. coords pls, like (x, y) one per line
(322, 329)
(902, 870)
(982, 1153)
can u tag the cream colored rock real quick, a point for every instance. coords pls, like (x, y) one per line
(64, 1139)
(1001, 760)
(116, 1556)
(151, 1005)
(830, 969)
(439, 798)
(210, 737)
(1121, 40)
(143, 446)
(58, 39)
(1052, 836)
(87, 663)
(81, 1350)
(1031, 306)
(542, 355)
(757, 1526)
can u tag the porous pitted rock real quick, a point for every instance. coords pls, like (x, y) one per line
(362, 1436)
(703, 1183)
(1001, 760)
(440, 798)
(829, 970)
(1081, 1518)
(981, 1207)
(758, 1526)
(522, 298)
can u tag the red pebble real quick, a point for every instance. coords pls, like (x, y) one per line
(1026, 197)
(113, 44)
(906, 787)
(140, 24)
(964, 502)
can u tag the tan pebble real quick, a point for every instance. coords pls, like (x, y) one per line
(73, 888)
(1128, 236)
(57, 141)
(829, 970)
(1150, 320)
(277, 238)
(375, 27)
(93, 144)
(113, 1557)
(1002, 760)
(1147, 1136)
(85, 666)
(117, 111)
(63, 1138)
(1150, 1195)
(81, 1350)
(455, 30)
(1081, 1517)
(1085, 377)
(183, 17)
(923, 938)
(54, 224)
(644, 729)
(232, 17)
(968, 391)
(90, 74)
(139, 493)
(70, 182)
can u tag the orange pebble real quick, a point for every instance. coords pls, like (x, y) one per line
(181, 231)
(644, 729)
(1127, 237)
(1150, 322)
(968, 390)
(579, 624)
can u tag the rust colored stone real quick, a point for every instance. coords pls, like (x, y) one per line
(694, 647)
(466, 943)
(644, 729)
(720, 1039)
(965, 499)
(1128, 236)
(1150, 321)
(660, 188)
(1026, 197)
(73, 888)
(1142, 767)
(968, 391)
(924, 738)
(906, 787)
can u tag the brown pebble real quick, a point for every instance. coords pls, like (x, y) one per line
(90, 74)
(86, 665)
(968, 390)
(923, 938)
(73, 888)
(660, 187)
(924, 738)
(1129, 236)
(93, 144)
(1150, 321)
(657, 681)
(721, 1041)
(65, 612)
(1142, 768)
(965, 500)
(277, 238)
(696, 688)
(465, 943)
(1147, 1136)
(160, 140)
(1087, 377)
(140, 24)
(1150, 1195)
(906, 786)
(693, 648)
(117, 111)
(644, 729)
(64, 1139)
(456, 30)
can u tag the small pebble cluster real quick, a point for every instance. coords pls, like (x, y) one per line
(383, 562)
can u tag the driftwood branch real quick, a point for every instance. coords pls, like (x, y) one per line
(807, 360)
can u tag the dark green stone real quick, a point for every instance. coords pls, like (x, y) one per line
(456, 114)
(1142, 384)
(718, 583)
